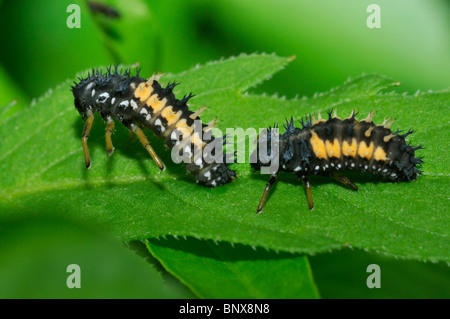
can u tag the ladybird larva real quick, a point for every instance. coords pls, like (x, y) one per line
(329, 146)
(136, 102)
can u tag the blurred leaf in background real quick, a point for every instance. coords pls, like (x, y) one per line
(41, 50)
(331, 42)
(343, 274)
(131, 36)
(36, 253)
(330, 39)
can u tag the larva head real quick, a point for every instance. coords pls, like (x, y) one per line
(82, 93)
(94, 92)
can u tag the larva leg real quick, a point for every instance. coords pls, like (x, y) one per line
(309, 196)
(108, 131)
(131, 136)
(269, 185)
(344, 180)
(84, 139)
(148, 147)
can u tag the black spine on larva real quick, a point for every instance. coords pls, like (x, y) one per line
(113, 96)
(395, 159)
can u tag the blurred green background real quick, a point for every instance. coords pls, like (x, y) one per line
(329, 38)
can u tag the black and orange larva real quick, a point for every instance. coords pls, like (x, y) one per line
(327, 147)
(136, 102)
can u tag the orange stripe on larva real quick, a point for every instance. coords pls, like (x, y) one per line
(333, 149)
(143, 91)
(349, 149)
(318, 146)
(156, 104)
(379, 154)
(365, 151)
(170, 116)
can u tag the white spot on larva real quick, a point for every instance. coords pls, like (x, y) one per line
(133, 104)
(174, 135)
(124, 103)
(332, 164)
(298, 168)
(352, 164)
(103, 97)
(385, 170)
(366, 167)
(393, 175)
(93, 92)
(326, 166)
(143, 111)
(159, 123)
(113, 100)
(213, 184)
(284, 166)
(374, 167)
(198, 161)
(317, 167)
(339, 166)
(148, 117)
(207, 175)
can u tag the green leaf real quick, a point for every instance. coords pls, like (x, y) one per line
(42, 166)
(36, 253)
(219, 270)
